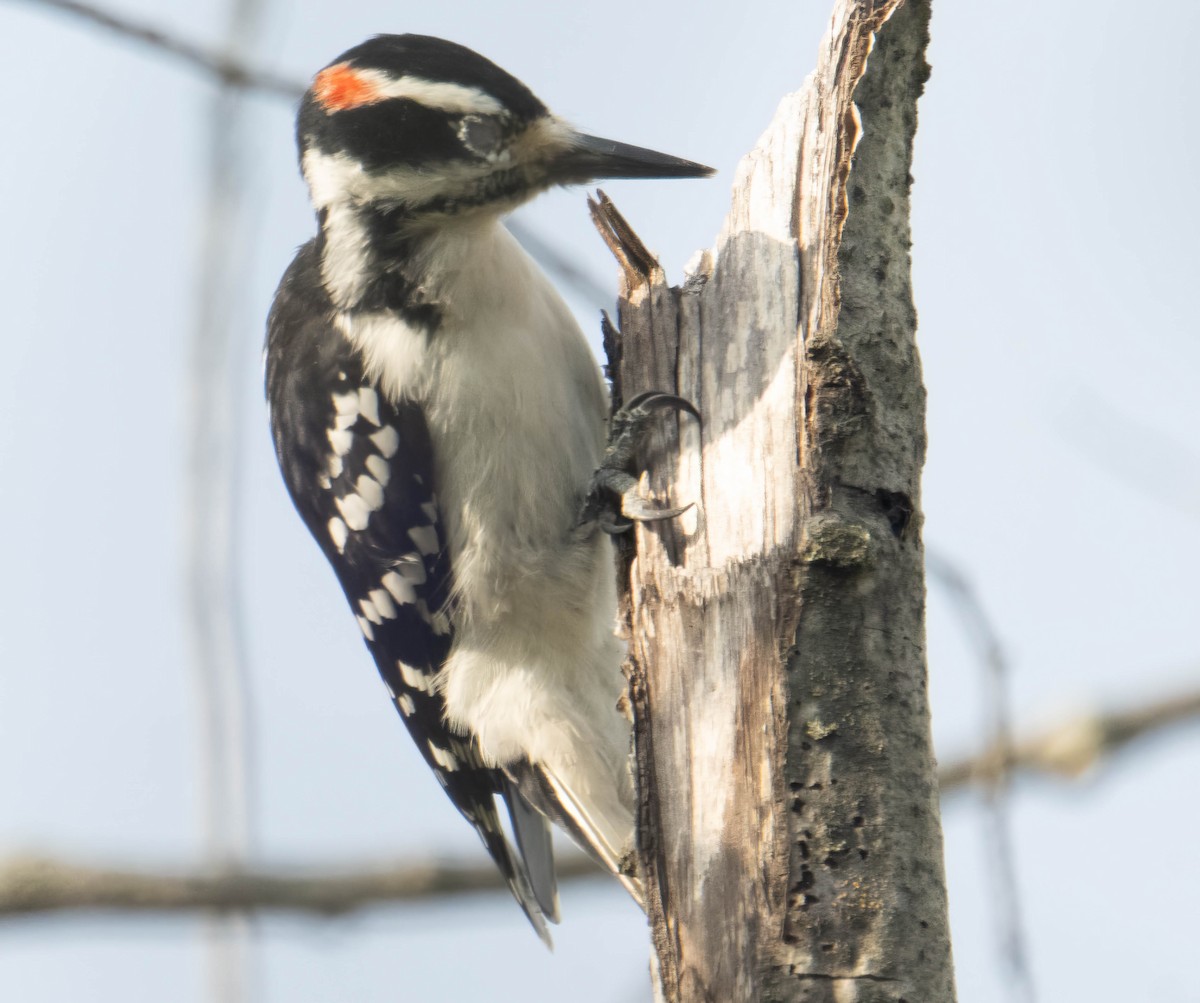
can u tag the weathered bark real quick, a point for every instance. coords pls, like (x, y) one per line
(789, 832)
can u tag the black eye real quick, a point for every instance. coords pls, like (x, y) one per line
(481, 135)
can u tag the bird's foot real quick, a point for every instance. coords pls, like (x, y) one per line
(612, 500)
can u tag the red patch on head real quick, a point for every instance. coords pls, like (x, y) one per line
(340, 87)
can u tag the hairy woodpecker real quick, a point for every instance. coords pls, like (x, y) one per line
(439, 420)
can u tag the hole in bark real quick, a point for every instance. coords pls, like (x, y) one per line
(826, 947)
(809, 900)
(802, 846)
(791, 938)
(805, 746)
(798, 806)
(862, 854)
(806, 880)
(815, 786)
(924, 925)
(897, 508)
(795, 785)
(831, 862)
(857, 821)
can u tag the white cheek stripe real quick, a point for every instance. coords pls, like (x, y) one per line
(431, 93)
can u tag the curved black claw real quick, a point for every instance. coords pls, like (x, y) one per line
(656, 400)
(612, 499)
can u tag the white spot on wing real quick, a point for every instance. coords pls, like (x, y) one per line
(341, 440)
(401, 590)
(354, 510)
(430, 510)
(414, 678)
(335, 466)
(425, 538)
(368, 404)
(405, 702)
(365, 626)
(370, 491)
(338, 533)
(383, 602)
(387, 441)
(379, 468)
(369, 611)
(345, 403)
(443, 757)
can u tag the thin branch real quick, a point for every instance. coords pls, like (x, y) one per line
(1074, 747)
(229, 71)
(212, 511)
(997, 671)
(31, 885)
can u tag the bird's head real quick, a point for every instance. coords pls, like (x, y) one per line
(429, 129)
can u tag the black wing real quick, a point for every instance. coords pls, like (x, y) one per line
(360, 472)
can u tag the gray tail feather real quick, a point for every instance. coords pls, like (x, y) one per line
(533, 839)
(530, 785)
(527, 898)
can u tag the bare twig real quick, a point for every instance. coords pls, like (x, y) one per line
(212, 510)
(1074, 747)
(997, 672)
(230, 71)
(41, 885)
(44, 885)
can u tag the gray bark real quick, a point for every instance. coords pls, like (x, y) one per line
(789, 831)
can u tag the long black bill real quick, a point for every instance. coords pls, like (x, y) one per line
(591, 158)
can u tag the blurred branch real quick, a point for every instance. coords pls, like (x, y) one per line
(229, 71)
(41, 884)
(1145, 457)
(1072, 748)
(1006, 901)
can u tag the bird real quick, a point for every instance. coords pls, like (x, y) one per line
(441, 425)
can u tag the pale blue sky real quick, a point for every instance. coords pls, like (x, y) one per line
(1055, 224)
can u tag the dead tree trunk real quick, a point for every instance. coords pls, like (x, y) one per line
(789, 830)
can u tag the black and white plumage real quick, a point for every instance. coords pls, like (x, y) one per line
(438, 416)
